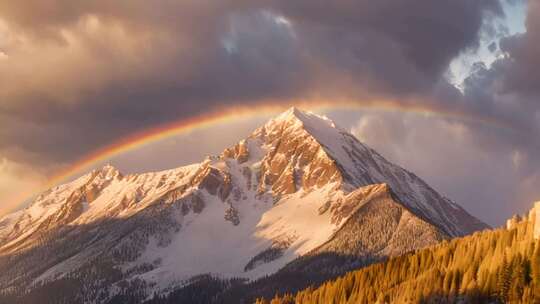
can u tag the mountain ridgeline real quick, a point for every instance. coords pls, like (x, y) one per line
(298, 202)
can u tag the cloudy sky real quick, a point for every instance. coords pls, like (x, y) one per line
(77, 77)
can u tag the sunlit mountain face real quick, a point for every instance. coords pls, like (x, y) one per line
(151, 150)
(298, 189)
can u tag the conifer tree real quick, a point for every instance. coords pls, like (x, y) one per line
(535, 271)
(503, 278)
(517, 282)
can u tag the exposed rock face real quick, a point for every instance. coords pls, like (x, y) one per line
(294, 158)
(238, 152)
(215, 181)
(532, 219)
(536, 220)
(231, 215)
(512, 222)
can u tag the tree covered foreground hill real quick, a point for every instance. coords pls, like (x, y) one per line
(498, 266)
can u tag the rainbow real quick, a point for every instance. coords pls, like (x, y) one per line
(232, 113)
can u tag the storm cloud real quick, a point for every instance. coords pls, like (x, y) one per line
(76, 77)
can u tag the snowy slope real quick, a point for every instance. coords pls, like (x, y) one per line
(101, 194)
(362, 166)
(299, 185)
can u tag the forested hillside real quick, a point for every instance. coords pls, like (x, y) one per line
(499, 266)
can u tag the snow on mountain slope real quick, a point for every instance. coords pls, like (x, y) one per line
(296, 186)
(380, 227)
(293, 224)
(361, 166)
(101, 194)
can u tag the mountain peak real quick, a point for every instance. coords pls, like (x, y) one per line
(296, 113)
(292, 113)
(108, 168)
(106, 172)
(295, 134)
(308, 120)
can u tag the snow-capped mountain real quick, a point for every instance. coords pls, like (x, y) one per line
(299, 186)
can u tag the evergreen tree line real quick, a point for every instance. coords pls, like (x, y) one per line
(499, 266)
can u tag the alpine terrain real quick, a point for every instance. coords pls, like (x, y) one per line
(298, 198)
(492, 266)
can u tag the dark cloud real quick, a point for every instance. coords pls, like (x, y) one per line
(519, 66)
(485, 178)
(429, 34)
(81, 75)
(508, 91)
(492, 47)
(510, 88)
